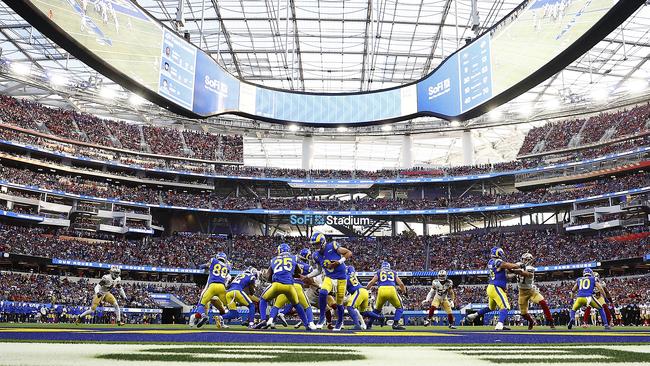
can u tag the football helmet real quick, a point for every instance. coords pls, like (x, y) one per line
(115, 272)
(222, 257)
(588, 272)
(385, 265)
(442, 275)
(350, 270)
(527, 258)
(318, 239)
(305, 254)
(497, 252)
(284, 248)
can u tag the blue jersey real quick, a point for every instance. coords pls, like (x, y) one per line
(497, 276)
(283, 267)
(305, 268)
(586, 286)
(386, 277)
(242, 281)
(353, 283)
(219, 272)
(327, 255)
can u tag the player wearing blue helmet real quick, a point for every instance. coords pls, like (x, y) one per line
(282, 305)
(358, 303)
(496, 290)
(584, 290)
(239, 294)
(282, 270)
(330, 258)
(218, 276)
(387, 282)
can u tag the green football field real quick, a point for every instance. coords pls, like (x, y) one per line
(136, 45)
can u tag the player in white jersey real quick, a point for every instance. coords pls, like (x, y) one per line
(528, 292)
(103, 294)
(442, 292)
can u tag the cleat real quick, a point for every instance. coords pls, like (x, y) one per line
(500, 326)
(260, 325)
(607, 327)
(120, 324)
(338, 327)
(570, 325)
(452, 327)
(202, 322)
(320, 325)
(363, 326)
(552, 326)
(531, 325)
(398, 327)
(311, 326)
(283, 321)
(427, 322)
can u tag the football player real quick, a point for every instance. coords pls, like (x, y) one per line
(496, 289)
(312, 290)
(238, 295)
(387, 281)
(218, 276)
(528, 292)
(103, 294)
(330, 258)
(442, 288)
(585, 286)
(603, 298)
(282, 270)
(282, 305)
(358, 303)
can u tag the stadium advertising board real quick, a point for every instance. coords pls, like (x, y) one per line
(121, 40)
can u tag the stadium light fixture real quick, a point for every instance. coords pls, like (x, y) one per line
(20, 69)
(293, 128)
(386, 128)
(136, 100)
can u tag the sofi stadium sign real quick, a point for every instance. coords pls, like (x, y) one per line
(316, 220)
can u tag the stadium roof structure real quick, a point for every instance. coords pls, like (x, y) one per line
(334, 46)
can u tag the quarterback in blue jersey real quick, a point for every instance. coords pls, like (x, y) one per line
(238, 294)
(585, 287)
(282, 270)
(218, 276)
(358, 303)
(496, 290)
(387, 282)
(330, 258)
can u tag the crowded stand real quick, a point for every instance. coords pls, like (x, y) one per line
(459, 251)
(63, 123)
(557, 135)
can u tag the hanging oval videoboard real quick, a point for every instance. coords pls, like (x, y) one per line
(122, 41)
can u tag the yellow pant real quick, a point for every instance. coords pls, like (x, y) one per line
(387, 294)
(440, 301)
(276, 289)
(586, 301)
(98, 299)
(359, 300)
(497, 298)
(526, 296)
(338, 286)
(237, 297)
(212, 290)
(282, 300)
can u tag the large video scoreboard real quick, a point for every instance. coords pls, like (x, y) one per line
(120, 39)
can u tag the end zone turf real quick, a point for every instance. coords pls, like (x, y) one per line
(170, 345)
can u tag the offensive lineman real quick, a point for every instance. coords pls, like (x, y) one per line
(387, 281)
(528, 292)
(103, 294)
(442, 288)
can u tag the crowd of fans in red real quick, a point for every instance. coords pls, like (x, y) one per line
(213, 200)
(88, 128)
(557, 135)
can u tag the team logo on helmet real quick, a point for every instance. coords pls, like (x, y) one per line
(318, 238)
(305, 254)
(497, 252)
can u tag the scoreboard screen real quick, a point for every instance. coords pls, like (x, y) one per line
(127, 44)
